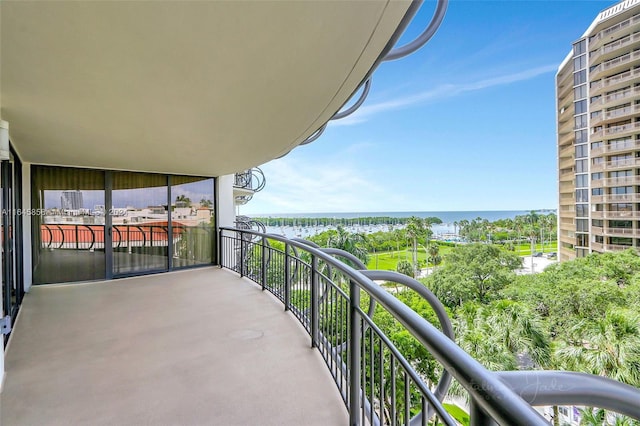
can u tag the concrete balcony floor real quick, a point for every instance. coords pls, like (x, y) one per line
(197, 347)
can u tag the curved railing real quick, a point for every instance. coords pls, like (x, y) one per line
(391, 54)
(377, 383)
(252, 179)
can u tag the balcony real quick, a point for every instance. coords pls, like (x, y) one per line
(615, 31)
(618, 131)
(616, 98)
(616, 164)
(615, 82)
(207, 346)
(599, 247)
(622, 181)
(247, 183)
(618, 198)
(616, 247)
(608, 50)
(616, 64)
(195, 347)
(615, 115)
(566, 162)
(630, 145)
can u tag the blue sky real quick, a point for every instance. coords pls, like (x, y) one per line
(466, 123)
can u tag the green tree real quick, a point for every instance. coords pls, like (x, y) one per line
(405, 267)
(353, 243)
(183, 199)
(474, 272)
(206, 203)
(609, 347)
(417, 229)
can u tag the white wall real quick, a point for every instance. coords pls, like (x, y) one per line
(226, 204)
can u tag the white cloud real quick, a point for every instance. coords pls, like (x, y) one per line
(300, 185)
(449, 90)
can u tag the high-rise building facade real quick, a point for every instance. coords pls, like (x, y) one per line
(71, 200)
(598, 126)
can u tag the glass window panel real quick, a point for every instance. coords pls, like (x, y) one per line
(140, 222)
(581, 136)
(582, 210)
(579, 77)
(582, 181)
(581, 166)
(582, 195)
(581, 151)
(579, 47)
(580, 92)
(68, 224)
(193, 221)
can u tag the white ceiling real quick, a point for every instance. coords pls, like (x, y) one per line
(205, 88)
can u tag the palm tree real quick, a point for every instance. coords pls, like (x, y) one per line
(434, 254)
(183, 199)
(593, 417)
(416, 229)
(609, 347)
(353, 243)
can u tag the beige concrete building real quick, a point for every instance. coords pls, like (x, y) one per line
(598, 119)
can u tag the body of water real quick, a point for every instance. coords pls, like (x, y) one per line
(442, 230)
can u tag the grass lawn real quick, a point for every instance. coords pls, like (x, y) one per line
(388, 260)
(525, 249)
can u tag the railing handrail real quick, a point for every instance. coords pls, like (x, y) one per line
(496, 398)
(572, 388)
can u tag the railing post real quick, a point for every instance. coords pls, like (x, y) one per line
(287, 278)
(242, 256)
(264, 263)
(477, 416)
(77, 240)
(315, 301)
(355, 333)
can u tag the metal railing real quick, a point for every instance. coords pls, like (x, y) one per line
(251, 179)
(335, 304)
(59, 236)
(392, 54)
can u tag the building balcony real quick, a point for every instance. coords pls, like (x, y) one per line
(247, 183)
(624, 198)
(194, 347)
(616, 64)
(616, 131)
(616, 115)
(615, 31)
(616, 247)
(565, 124)
(615, 82)
(621, 232)
(210, 346)
(622, 181)
(617, 164)
(566, 162)
(617, 98)
(599, 247)
(566, 139)
(609, 50)
(631, 145)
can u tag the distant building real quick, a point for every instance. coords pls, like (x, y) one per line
(71, 200)
(598, 126)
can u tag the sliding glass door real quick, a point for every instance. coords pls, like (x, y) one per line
(139, 219)
(192, 220)
(68, 220)
(94, 224)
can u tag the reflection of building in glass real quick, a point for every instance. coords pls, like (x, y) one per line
(71, 200)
